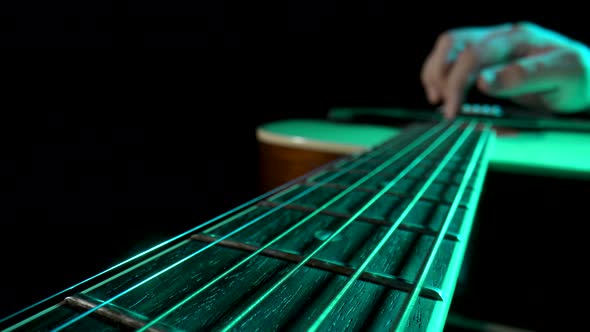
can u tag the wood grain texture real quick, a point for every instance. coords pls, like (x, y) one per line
(119, 317)
(424, 229)
(330, 266)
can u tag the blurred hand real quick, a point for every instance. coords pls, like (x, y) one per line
(526, 63)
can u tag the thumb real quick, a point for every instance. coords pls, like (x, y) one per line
(533, 74)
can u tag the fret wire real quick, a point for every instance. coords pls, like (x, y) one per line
(349, 158)
(392, 229)
(408, 168)
(425, 268)
(375, 221)
(177, 237)
(334, 199)
(114, 316)
(418, 141)
(325, 265)
(389, 193)
(394, 142)
(410, 177)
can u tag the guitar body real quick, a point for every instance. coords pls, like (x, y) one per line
(293, 147)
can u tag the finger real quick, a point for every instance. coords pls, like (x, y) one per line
(440, 60)
(530, 75)
(435, 67)
(438, 63)
(458, 80)
(497, 47)
(446, 50)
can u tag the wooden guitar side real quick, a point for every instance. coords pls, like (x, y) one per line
(287, 150)
(279, 164)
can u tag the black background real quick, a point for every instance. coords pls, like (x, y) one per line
(125, 123)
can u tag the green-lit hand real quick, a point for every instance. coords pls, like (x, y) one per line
(529, 64)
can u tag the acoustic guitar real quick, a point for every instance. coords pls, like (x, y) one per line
(371, 236)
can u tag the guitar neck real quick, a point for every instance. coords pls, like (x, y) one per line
(371, 241)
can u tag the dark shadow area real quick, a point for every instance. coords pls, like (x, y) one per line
(526, 253)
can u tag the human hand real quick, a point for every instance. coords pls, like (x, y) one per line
(523, 62)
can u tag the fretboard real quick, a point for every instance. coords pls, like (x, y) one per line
(374, 241)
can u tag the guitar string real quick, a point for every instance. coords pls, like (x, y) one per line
(422, 137)
(209, 222)
(416, 161)
(418, 141)
(425, 268)
(192, 230)
(443, 163)
(282, 235)
(141, 254)
(399, 139)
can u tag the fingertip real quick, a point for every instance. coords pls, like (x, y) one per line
(448, 115)
(432, 94)
(450, 109)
